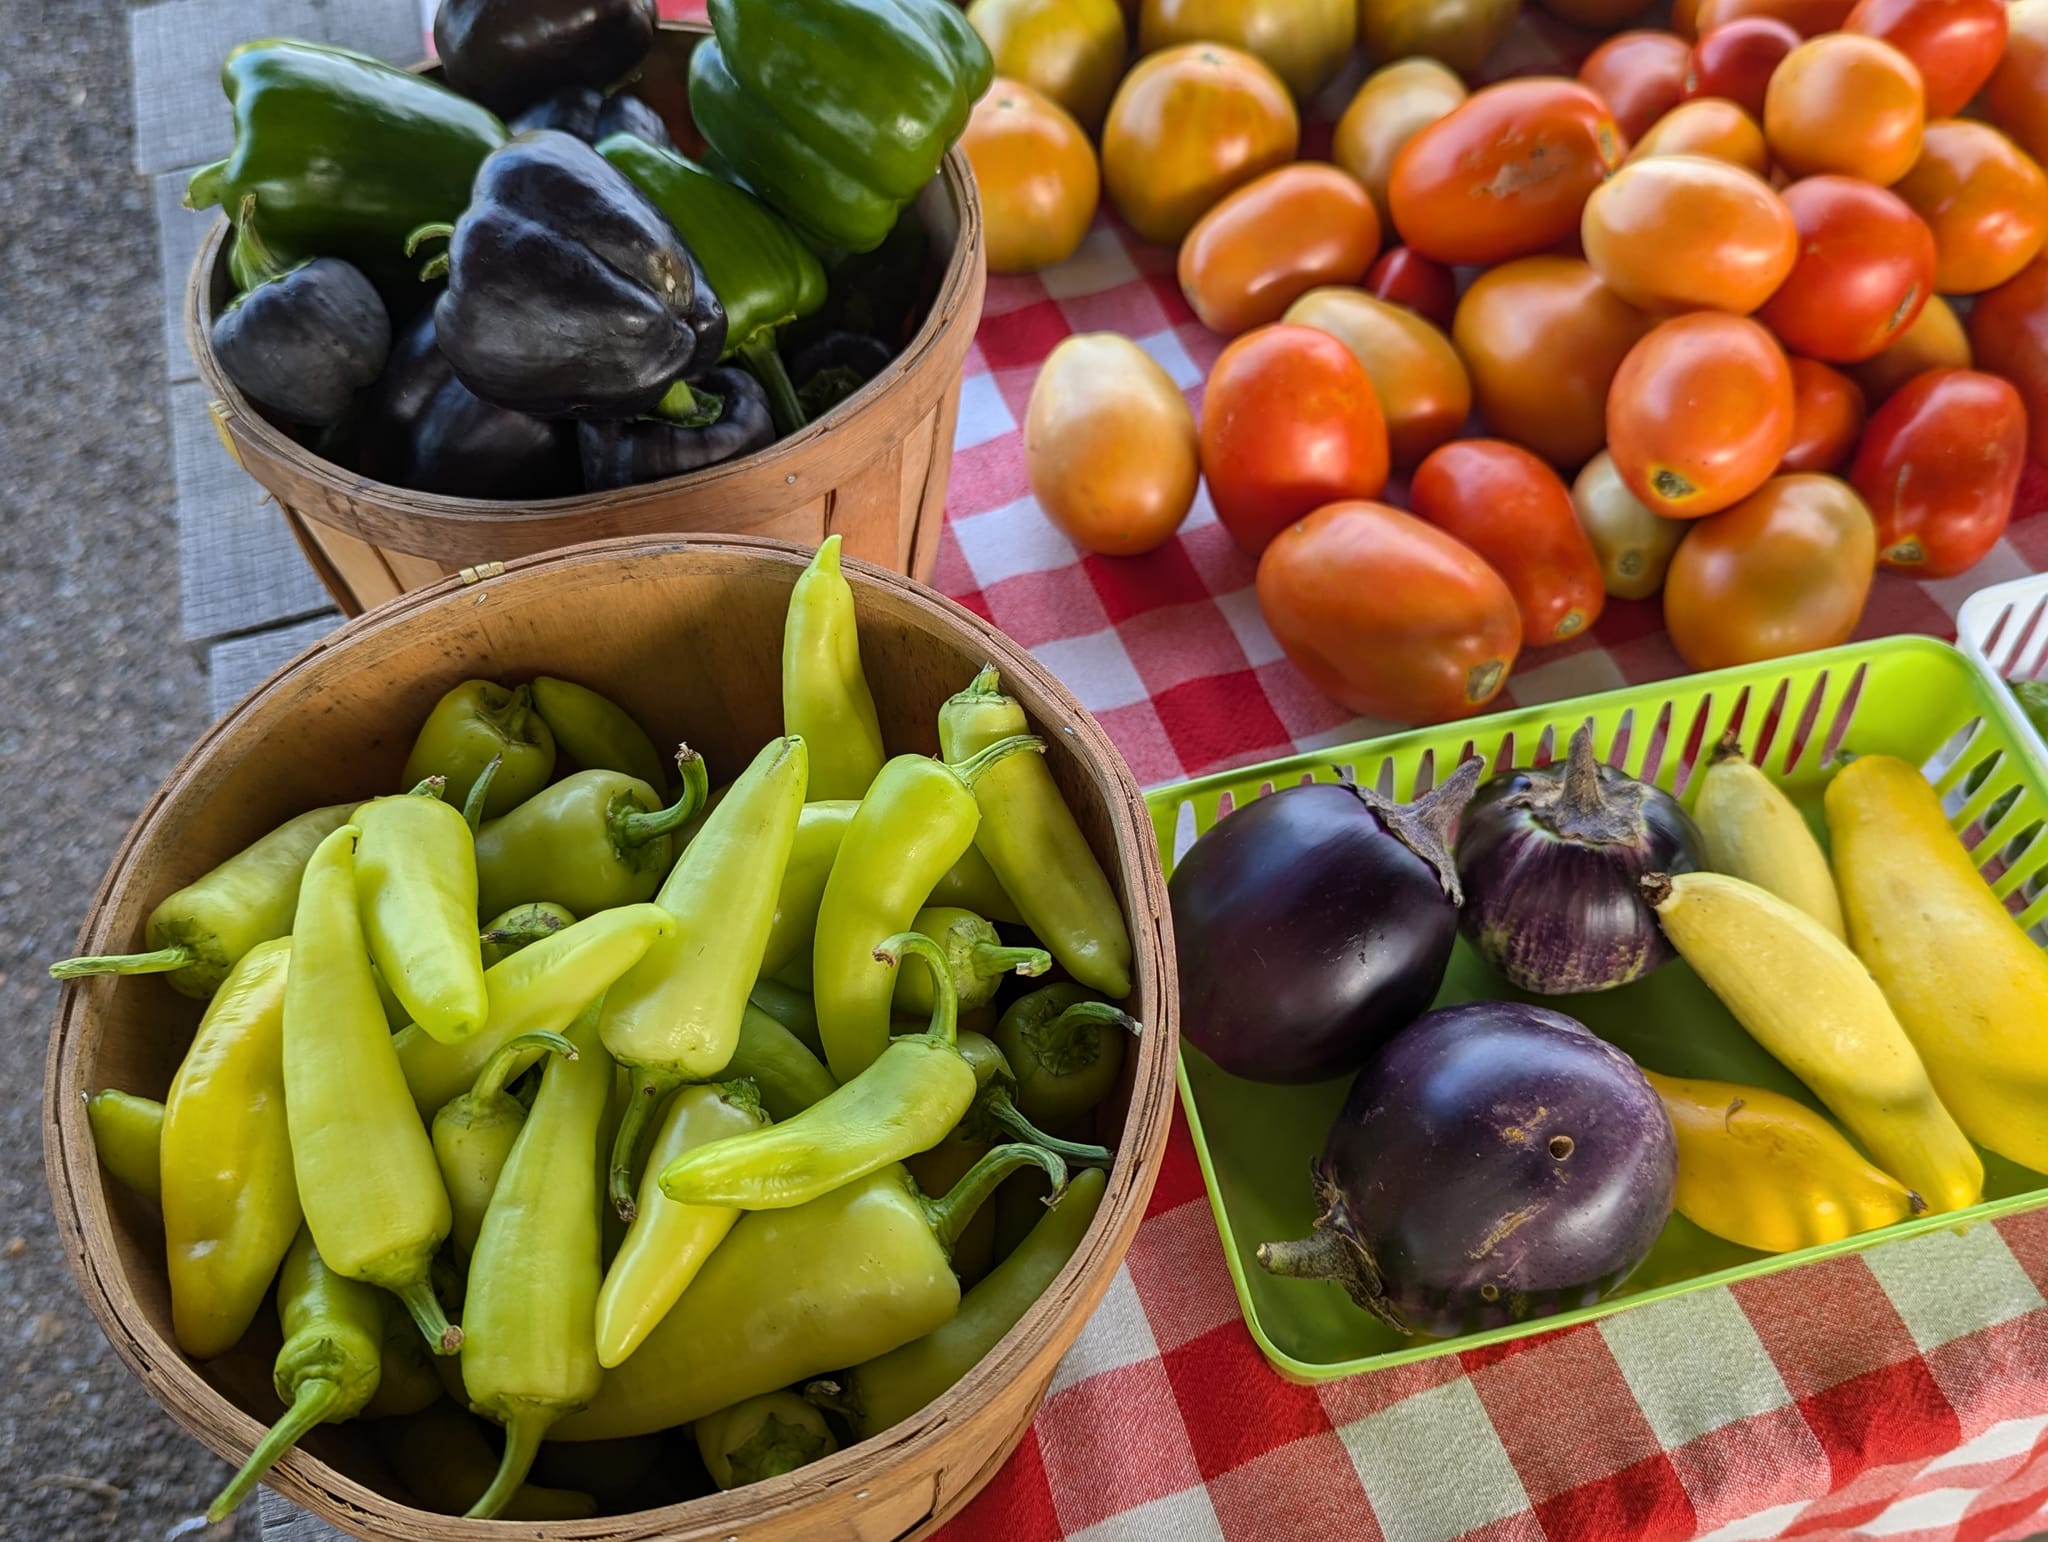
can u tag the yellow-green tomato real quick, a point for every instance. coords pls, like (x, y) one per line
(1395, 104)
(1071, 50)
(1634, 545)
(1306, 42)
(1459, 32)
(1110, 446)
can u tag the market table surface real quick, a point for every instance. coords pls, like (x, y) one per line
(1902, 1394)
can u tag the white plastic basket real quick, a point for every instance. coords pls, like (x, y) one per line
(2005, 628)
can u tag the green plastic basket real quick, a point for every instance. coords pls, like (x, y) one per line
(1912, 697)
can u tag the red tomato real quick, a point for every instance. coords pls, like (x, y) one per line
(1865, 269)
(1809, 18)
(1641, 75)
(1984, 199)
(1954, 44)
(1736, 62)
(2018, 94)
(1515, 512)
(1845, 103)
(1388, 616)
(2009, 330)
(1505, 173)
(1272, 241)
(1683, 232)
(1939, 466)
(1290, 422)
(1700, 414)
(1406, 277)
(1827, 415)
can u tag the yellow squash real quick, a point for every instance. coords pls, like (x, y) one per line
(1769, 1173)
(1969, 987)
(1752, 831)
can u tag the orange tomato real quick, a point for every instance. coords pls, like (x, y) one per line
(1985, 200)
(1809, 18)
(1827, 417)
(1865, 269)
(1640, 75)
(1070, 50)
(1514, 511)
(1939, 466)
(1700, 414)
(2009, 328)
(1785, 571)
(1845, 103)
(1954, 44)
(1306, 42)
(1110, 445)
(1188, 126)
(1273, 240)
(1037, 174)
(1417, 375)
(1391, 108)
(1735, 62)
(1935, 341)
(2018, 94)
(1426, 287)
(1388, 616)
(1542, 339)
(1505, 174)
(1711, 127)
(1459, 32)
(1682, 232)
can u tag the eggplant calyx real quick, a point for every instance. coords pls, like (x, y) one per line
(1586, 804)
(1332, 1253)
(1425, 826)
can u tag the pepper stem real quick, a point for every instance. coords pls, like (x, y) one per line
(442, 1336)
(945, 1022)
(420, 235)
(975, 766)
(764, 363)
(480, 794)
(633, 826)
(523, 1432)
(432, 787)
(949, 1214)
(258, 261)
(312, 1402)
(649, 1088)
(204, 188)
(1066, 1043)
(681, 404)
(162, 961)
(988, 683)
(510, 1059)
(989, 959)
(996, 1104)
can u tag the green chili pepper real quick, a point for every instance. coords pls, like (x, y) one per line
(1035, 845)
(885, 1391)
(668, 1242)
(415, 871)
(796, 975)
(764, 1437)
(127, 1133)
(675, 1016)
(971, 884)
(795, 1010)
(779, 1303)
(529, 1354)
(407, 1380)
(790, 1078)
(474, 1135)
(936, 1171)
(995, 1116)
(914, 824)
(467, 728)
(445, 1461)
(1066, 1047)
(230, 1196)
(975, 957)
(596, 732)
(521, 927)
(201, 932)
(825, 696)
(373, 1197)
(328, 1368)
(542, 988)
(593, 841)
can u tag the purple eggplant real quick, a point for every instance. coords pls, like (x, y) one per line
(1551, 862)
(1314, 924)
(1497, 1162)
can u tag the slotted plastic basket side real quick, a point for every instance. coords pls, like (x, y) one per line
(1915, 698)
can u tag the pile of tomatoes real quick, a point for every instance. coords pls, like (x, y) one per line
(1768, 288)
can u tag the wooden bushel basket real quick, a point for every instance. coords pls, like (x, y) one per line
(874, 470)
(687, 636)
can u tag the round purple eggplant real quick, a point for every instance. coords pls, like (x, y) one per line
(1497, 1162)
(1313, 924)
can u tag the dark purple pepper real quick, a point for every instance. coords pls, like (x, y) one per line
(624, 453)
(508, 54)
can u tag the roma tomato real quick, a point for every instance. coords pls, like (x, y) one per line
(1711, 127)
(1406, 277)
(1306, 42)
(1785, 571)
(1395, 104)
(1459, 32)
(1417, 375)
(1985, 200)
(1388, 616)
(1935, 341)
(1954, 44)
(1110, 445)
(1640, 75)
(1290, 422)
(2018, 94)
(2009, 328)
(1735, 62)
(1939, 466)
(1037, 174)
(1188, 126)
(1865, 269)
(1070, 50)
(1542, 339)
(1845, 103)
(1682, 232)
(1700, 414)
(1273, 240)
(1513, 510)
(1809, 18)
(1634, 545)
(1827, 416)
(1505, 174)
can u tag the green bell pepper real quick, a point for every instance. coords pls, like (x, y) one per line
(837, 112)
(759, 267)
